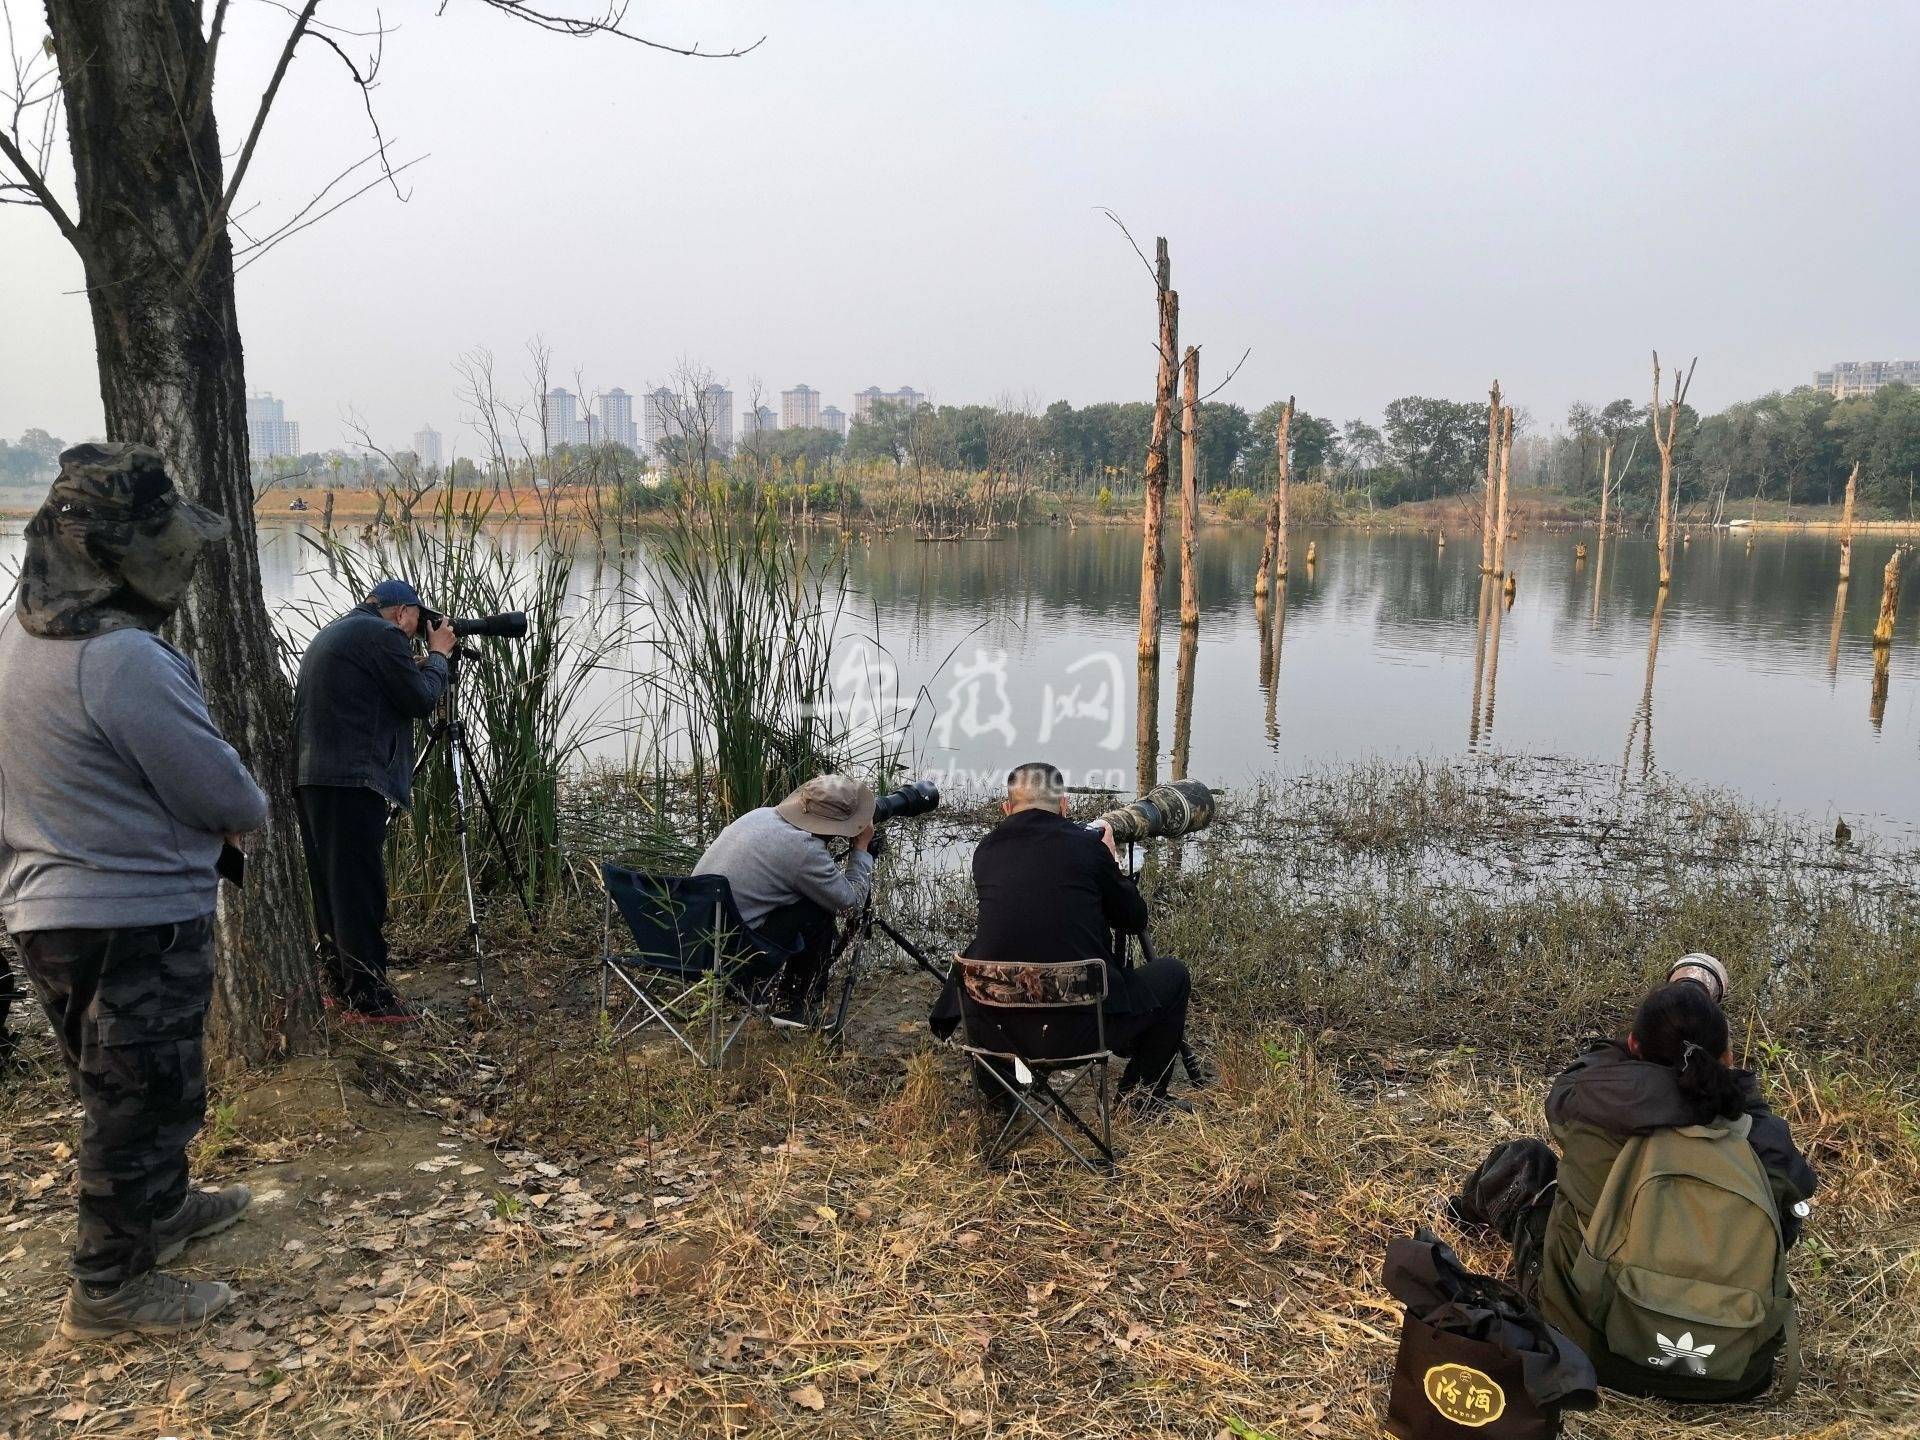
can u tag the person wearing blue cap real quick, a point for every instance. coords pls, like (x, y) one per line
(359, 692)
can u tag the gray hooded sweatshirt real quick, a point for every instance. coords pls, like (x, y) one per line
(115, 787)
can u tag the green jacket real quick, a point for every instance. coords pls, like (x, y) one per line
(1595, 1105)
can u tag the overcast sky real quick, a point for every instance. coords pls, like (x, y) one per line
(1379, 200)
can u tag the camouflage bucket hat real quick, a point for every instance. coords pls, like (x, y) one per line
(113, 545)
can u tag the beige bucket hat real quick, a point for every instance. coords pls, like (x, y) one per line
(829, 805)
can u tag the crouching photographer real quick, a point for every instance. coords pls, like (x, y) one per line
(787, 885)
(1052, 889)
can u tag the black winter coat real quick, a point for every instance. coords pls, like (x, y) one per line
(354, 705)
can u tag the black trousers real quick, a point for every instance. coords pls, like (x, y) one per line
(344, 831)
(1146, 1014)
(811, 926)
(128, 1009)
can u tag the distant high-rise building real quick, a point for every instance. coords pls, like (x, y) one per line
(800, 408)
(708, 414)
(616, 419)
(426, 445)
(1863, 377)
(834, 419)
(906, 396)
(559, 425)
(758, 421)
(270, 435)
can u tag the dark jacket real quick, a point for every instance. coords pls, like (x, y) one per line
(1596, 1104)
(1048, 891)
(354, 705)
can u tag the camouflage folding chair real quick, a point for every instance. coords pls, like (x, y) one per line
(1024, 1027)
(695, 958)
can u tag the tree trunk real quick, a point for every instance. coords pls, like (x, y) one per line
(1606, 487)
(1846, 526)
(1189, 488)
(148, 172)
(1273, 550)
(1889, 598)
(1493, 480)
(326, 515)
(1152, 552)
(1506, 468)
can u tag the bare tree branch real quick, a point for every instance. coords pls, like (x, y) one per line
(258, 249)
(608, 22)
(42, 196)
(1152, 274)
(1229, 376)
(217, 222)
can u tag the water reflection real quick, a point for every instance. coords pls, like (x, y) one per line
(1642, 725)
(1183, 699)
(1758, 653)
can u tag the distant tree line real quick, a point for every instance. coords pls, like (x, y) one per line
(34, 456)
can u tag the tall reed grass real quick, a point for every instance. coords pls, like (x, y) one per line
(742, 626)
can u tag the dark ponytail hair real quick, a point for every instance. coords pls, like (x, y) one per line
(1680, 1026)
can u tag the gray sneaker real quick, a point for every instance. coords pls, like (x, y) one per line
(203, 1212)
(154, 1304)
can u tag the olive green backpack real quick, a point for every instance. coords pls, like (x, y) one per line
(1682, 1268)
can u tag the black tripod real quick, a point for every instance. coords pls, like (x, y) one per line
(450, 729)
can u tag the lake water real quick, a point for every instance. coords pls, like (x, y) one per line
(1024, 648)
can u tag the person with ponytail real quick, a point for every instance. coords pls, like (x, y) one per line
(1673, 1071)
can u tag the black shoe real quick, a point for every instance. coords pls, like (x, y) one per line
(1148, 1106)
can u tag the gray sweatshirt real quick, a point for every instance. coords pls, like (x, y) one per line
(115, 787)
(770, 863)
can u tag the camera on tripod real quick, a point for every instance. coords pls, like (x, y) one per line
(1164, 812)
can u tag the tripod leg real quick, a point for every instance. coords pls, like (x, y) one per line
(500, 845)
(458, 753)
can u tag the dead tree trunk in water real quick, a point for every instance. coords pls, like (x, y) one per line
(1663, 438)
(1273, 552)
(1152, 553)
(1506, 470)
(1493, 478)
(1889, 598)
(1846, 526)
(152, 238)
(1189, 487)
(1606, 485)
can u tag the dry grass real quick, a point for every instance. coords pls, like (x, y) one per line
(807, 1245)
(858, 1273)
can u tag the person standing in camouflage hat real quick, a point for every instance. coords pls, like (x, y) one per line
(117, 793)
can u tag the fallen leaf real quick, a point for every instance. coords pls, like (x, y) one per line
(808, 1397)
(78, 1410)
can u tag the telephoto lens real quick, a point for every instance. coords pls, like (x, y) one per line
(1165, 811)
(507, 625)
(916, 797)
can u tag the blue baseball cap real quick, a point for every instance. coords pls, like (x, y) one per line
(395, 592)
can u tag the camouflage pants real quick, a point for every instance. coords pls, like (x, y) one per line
(128, 1008)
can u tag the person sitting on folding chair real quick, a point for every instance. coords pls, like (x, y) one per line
(1051, 889)
(786, 883)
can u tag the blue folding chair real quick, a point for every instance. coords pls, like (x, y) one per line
(695, 956)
